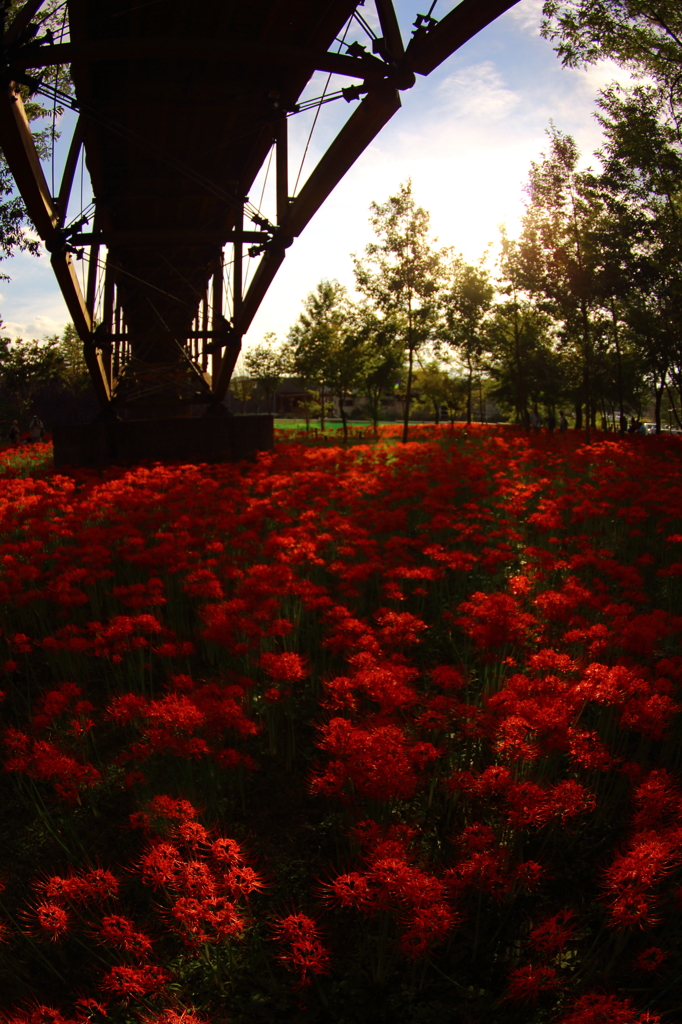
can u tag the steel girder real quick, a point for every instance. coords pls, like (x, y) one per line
(170, 187)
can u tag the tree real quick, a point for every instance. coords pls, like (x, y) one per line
(26, 367)
(242, 388)
(401, 276)
(328, 345)
(383, 359)
(644, 35)
(642, 187)
(560, 255)
(13, 215)
(73, 370)
(315, 335)
(466, 303)
(266, 365)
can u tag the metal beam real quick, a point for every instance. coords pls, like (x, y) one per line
(16, 142)
(375, 110)
(246, 52)
(70, 169)
(217, 312)
(282, 168)
(261, 281)
(22, 20)
(163, 236)
(18, 147)
(429, 48)
(65, 272)
(393, 41)
(91, 290)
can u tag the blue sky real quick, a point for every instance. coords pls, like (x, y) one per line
(465, 135)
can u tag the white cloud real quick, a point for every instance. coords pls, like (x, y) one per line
(477, 92)
(31, 235)
(600, 75)
(45, 325)
(12, 329)
(528, 15)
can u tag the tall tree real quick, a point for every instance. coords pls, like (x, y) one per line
(522, 360)
(267, 365)
(401, 274)
(327, 345)
(561, 255)
(467, 301)
(26, 367)
(644, 35)
(311, 337)
(642, 187)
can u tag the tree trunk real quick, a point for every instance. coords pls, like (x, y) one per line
(578, 414)
(470, 388)
(408, 392)
(619, 375)
(658, 399)
(343, 418)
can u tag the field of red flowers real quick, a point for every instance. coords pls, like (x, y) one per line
(381, 733)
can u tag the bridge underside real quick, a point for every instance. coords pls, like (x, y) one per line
(180, 107)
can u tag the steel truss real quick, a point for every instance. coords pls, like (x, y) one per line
(121, 374)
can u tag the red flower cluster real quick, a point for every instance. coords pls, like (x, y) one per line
(471, 642)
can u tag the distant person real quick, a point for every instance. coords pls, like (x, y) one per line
(535, 420)
(14, 432)
(551, 422)
(36, 429)
(623, 423)
(563, 423)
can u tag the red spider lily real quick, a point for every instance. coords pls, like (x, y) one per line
(650, 960)
(141, 595)
(304, 952)
(89, 1009)
(211, 919)
(242, 881)
(594, 714)
(53, 920)
(42, 760)
(599, 1008)
(192, 834)
(657, 801)
(203, 583)
(526, 983)
(286, 667)
(425, 926)
(42, 1014)
(130, 982)
(120, 933)
(552, 934)
(386, 683)
(494, 621)
(379, 762)
(172, 808)
(83, 888)
(226, 852)
(170, 1016)
(447, 677)
(159, 866)
(531, 806)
